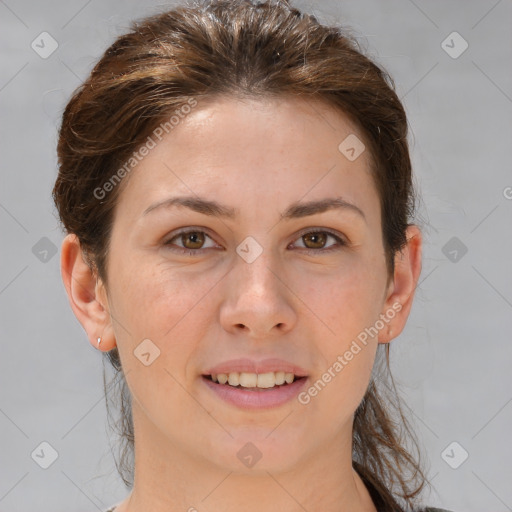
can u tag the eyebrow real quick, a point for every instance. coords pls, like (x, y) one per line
(294, 211)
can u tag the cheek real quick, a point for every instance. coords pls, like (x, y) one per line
(343, 302)
(346, 306)
(170, 308)
(158, 301)
(156, 304)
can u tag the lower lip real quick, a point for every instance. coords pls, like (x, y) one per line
(259, 398)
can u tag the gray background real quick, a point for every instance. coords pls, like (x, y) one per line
(453, 360)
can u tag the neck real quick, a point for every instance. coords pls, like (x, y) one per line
(166, 479)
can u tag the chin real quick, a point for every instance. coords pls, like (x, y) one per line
(254, 451)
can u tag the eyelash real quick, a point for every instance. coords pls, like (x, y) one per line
(194, 252)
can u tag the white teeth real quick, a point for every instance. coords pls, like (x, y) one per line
(222, 378)
(248, 380)
(266, 380)
(280, 378)
(234, 379)
(254, 380)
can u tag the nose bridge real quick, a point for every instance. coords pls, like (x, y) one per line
(255, 267)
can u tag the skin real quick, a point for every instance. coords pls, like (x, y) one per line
(257, 156)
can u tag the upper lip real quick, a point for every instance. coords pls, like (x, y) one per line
(253, 366)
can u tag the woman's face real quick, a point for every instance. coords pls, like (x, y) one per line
(256, 284)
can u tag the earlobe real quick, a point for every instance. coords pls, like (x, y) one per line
(84, 295)
(403, 286)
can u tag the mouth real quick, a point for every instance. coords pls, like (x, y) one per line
(255, 390)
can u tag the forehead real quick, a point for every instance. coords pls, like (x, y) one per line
(252, 125)
(270, 148)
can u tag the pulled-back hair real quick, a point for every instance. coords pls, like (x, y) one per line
(242, 49)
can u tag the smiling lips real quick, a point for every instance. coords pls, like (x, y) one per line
(252, 384)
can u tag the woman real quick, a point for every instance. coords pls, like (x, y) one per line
(236, 187)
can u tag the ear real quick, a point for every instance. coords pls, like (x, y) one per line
(87, 295)
(401, 288)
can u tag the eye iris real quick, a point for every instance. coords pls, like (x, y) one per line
(197, 238)
(320, 237)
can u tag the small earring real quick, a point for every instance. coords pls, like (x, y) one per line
(99, 341)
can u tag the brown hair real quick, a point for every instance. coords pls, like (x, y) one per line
(244, 49)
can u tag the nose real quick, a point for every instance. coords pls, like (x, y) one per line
(258, 298)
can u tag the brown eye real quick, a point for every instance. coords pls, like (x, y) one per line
(317, 240)
(190, 242)
(196, 239)
(314, 242)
